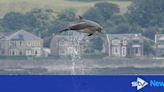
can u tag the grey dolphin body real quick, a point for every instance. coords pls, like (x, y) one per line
(85, 26)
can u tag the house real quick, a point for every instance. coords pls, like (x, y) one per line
(21, 43)
(159, 45)
(125, 45)
(2, 45)
(68, 43)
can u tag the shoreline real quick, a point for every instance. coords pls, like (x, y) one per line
(66, 65)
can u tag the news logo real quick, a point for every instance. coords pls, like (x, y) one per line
(140, 83)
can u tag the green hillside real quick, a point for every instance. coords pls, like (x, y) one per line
(56, 5)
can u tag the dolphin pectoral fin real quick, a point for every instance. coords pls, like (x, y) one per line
(90, 34)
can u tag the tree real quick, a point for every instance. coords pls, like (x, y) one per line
(57, 26)
(122, 28)
(13, 21)
(1, 27)
(117, 19)
(64, 18)
(107, 9)
(96, 43)
(149, 48)
(67, 15)
(40, 20)
(101, 12)
(94, 14)
(150, 32)
(37, 21)
(119, 24)
(147, 13)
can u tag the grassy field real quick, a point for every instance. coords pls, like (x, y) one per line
(56, 5)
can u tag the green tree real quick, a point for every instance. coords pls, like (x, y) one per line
(1, 27)
(122, 28)
(96, 43)
(57, 26)
(101, 12)
(67, 15)
(150, 32)
(64, 18)
(149, 47)
(13, 21)
(40, 20)
(94, 14)
(125, 28)
(147, 13)
(107, 9)
(117, 19)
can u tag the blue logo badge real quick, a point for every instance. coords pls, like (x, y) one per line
(140, 83)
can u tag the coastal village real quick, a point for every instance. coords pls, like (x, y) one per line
(81, 37)
(23, 43)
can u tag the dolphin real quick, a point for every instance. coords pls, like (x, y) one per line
(85, 26)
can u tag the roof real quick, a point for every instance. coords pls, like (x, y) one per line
(125, 36)
(22, 35)
(4, 34)
(159, 36)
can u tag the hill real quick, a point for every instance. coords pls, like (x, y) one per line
(56, 5)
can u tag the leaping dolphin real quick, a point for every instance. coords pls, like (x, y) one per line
(85, 26)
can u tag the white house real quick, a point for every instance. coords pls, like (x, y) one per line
(21, 43)
(125, 45)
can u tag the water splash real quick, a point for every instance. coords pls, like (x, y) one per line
(74, 50)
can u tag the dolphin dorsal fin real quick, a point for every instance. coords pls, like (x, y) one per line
(81, 18)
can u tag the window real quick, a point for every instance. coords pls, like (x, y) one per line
(29, 43)
(61, 43)
(123, 51)
(136, 41)
(20, 43)
(36, 52)
(160, 42)
(35, 43)
(124, 42)
(116, 42)
(32, 43)
(13, 43)
(28, 52)
(13, 52)
(116, 50)
(39, 43)
(136, 50)
(61, 51)
(20, 53)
